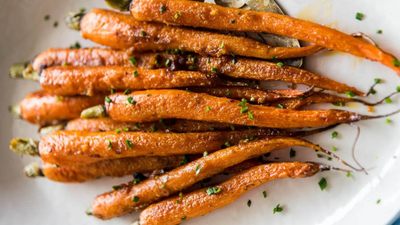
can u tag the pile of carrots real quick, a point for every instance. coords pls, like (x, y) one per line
(179, 104)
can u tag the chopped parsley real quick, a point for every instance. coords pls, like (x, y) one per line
(243, 102)
(334, 134)
(329, 158)
(135, 199)
(117, 131)
(319, 156)
(180, 194)
(154, 128)
(205, 153)
(280, 64)
(212, 191)
(184, 160)
(265, 194)
(396, 62)
(192, 67)
(240, 12)
(322, 183)
(127, 91)
(359, 16)
(232, 21)
(144, 33)
(112, 91)
(55, 24)
(183, 218)
(280, 106)
(377, 80)
(214, 70)
(229, 93)
(379, 31)
(131, 101)
(348, 174)
(249, 203)
(278, 208)
(334, 148)
(132, 60)
(208, 109)
(109, 144)
(388, 100)
(273, 57)
(126, 129)
(108, 100)
(59, 99)
(135, 74)
(129, 143)
(232, 127)
(388, 120)
(176, 16)
(251, 116)
(373, 91)
(398, 88)
(252, 99)
(197, 169)
(116, 188)
(338, 104)
(222, 46)
(350, 94)
(46, 17)
(379, 201)
(167, 62)
(75, 46)
(244, 109)
(163, 8)
(228, 144)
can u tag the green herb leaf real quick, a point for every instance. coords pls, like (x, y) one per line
(398, 88)
(338, 104)
(280, 64)
(373, 91)
(280, 106)
(348, 174)
(197, 169)
(163, 8)
(109, 144)
(212, 128)
(129, 143)
(184, 160)
(180, 194)
(243, 102)
(228, 93)
(59, 99)
(117, 131)
(320, 155)
(388, 120)
(379, 201)
(377, 80)
(334, 134)
(329, 158)
(379, 31)
(46, 17)
(131, 101)
(108, 100)
(55, 24)
(273, 57)
(278, 208)
(388, 100)
(116, 188)
(135, 73)
(154, 128)
(222, 46)
(183, 218)
(167, 62)
(265, 194)
(240, 12)
(252, 99)
(396, 62)
(144, 33)
(232, 127)
(132, 60)
(112, 91)
(334, 148)
(232, 21)
(176, 16)
(251, 116)
(205, 153)
(126, 129)
(214, 70)
(211, 191)
(359, 16)
(135, 199)
(322, 184)
(208, 109)
(350, 94)
(127, 91)
(228, 144)
(249, 203)
(244, 109)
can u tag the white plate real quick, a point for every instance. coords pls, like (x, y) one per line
(24, 33)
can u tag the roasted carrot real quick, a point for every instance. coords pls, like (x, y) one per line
(119, 202)
(117, 168)
(235, 67)
(250, 94)
(94, 80)
(121, 31)
(216, 17)
(200, 202)
(110, 168)
(177, 104)
(45, 109)
(107, 124)
(81, 147)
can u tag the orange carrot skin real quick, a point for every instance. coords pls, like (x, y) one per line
(81, 147)
(118, 203)
(212, 16)
(124, 32)
(48, 109)
(79, 57)
(107, 124)
(73, 80)
(109, 168)
(312, 99)
(198, 203)
(168, 104)
(243, 68)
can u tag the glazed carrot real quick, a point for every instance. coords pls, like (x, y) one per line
(242, 68)
(177, 104)
(216, 17)
(106, 168)
(121, 31)
(251, 95)
(81, 147)
(198, 203)
(73, 80)
(45, 109)
(119, 202)
(117, 168)
(107, 124)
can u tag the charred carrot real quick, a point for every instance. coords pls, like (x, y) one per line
(81, 147)
(205, 200)
(177, 104)
(124, 32)
(205, 15)
(106, 168)
(94, 80)
(235, 67)
(107, 124)
(117, 168)
(119, 202)
(45, 109)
